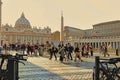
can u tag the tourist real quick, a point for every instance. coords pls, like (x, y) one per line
(70, 50)
(53, 50)
(105, 51)
(91, 50)
(77, 53)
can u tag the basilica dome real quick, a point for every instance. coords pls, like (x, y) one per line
(22, 22)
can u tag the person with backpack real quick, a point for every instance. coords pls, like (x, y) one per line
(62, 53)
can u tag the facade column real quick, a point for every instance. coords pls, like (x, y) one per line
(100, 44)
(117, 45)
(113, 45)
(10, 39)
(108, 44)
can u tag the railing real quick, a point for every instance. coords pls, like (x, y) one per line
(106, 69)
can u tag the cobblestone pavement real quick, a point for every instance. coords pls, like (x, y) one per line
(40, 68)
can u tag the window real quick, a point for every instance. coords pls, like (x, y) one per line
(6, 29)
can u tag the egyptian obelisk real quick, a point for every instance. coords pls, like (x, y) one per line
(62, 28)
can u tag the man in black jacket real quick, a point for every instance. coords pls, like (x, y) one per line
(54, 51)
(70, 50)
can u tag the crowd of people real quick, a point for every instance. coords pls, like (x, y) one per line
(63, 52)
(30, 49)
(70, 52)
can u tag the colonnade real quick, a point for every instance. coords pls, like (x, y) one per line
(113, 42)
(114, 45)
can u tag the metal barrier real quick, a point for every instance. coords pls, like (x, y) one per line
(103, 69)
(12, 66)
(96, 74)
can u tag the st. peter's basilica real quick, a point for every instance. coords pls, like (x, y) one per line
(23, 32)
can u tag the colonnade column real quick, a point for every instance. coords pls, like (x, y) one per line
(113, 45)
(117, 45)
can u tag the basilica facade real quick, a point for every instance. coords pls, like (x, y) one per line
(23, 32)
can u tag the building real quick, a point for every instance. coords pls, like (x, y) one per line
(111, 28)
(106, 32)
(56, 37)
(71, 33)
(23, 32)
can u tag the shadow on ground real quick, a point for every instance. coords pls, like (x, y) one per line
(88, 64)
(30, 71)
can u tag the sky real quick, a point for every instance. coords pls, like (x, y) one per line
(80, 14)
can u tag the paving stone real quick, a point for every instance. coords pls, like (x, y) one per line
(39, 68)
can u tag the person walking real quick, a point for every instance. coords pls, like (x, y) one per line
(36, 50)
(77, 53)
(82, 48)
(29, 49)
(61, 51)
(70, 50)
(54, 51)
(86, 50)
(105, 51)
(66, 52)
(23, 47)
(91, 50)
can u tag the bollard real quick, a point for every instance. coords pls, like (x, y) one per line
(97, 68)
